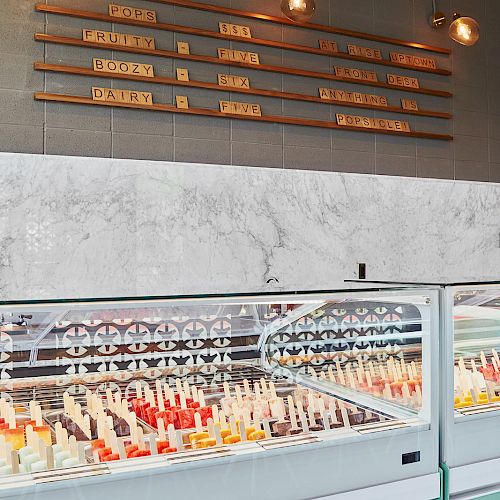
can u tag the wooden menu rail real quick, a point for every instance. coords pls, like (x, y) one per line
(313, 26)
(44, 96)
(77, 70)
(51, 9)
(41, 37)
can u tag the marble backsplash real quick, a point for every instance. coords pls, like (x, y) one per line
(81, 227)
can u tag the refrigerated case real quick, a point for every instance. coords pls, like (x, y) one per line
(470, 371)
(279, 395)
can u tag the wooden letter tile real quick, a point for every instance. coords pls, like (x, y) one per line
(182, 74)
(182, 102)
(183, 47)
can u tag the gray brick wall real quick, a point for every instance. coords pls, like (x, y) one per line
(52, 128)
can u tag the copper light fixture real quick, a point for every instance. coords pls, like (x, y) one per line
(463, 30)
(299, 11)
(437, 19)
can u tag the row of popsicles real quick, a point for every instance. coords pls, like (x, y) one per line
(396, 380)
(33, 451)
(477, 385)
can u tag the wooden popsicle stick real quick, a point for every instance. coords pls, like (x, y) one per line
(236, 410)
(246, 417)
(110, 399)
(345, 417)
(495, 355)
(291, 412)
(32, 409)
(256, 423)
(215, 413)
(159, 396)
(58, 429)
(352, 383)
(281, 410)
(399, 372)
(239, 396)
(217, 435)
(197, 422)
(311, 401)
(227, 390)
(187, 389)
(242, 431)
(86, 426)
(406, 393)
(263, 388)
(210, 428)
(49, 454)
(132, 422)
(461, 364)
(11, 414)
(257, 391)
(484, 363)
(403, 367)
(340, 373)
(140, 439)
(153, 447)
(172, 397)
(42, 450)
(8, 454)
(246, 386)
(382, 372)
(195, 394)
(321, 405)
(326, 420)
(65, 441)
(182, 397)
(179, 444)
(178, 385)
(171, 434)
(387, 392)
(473, 365)
(494, 363)
(162, 435)
(73, 447)
(232, 425)
(302, 416)
(222, 420)
(3, 449)
(310, 415)
(368, 379)
(272, 389)
(201, 398)
(267, 429)
(331, 376)
(419, 395)
(88, 399)
(138, 390)
(359, 374)
(14, 461)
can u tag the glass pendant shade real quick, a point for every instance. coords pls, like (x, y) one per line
(299, 11)
(464, 30)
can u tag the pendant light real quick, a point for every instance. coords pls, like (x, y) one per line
(299, 11)
(464, 30)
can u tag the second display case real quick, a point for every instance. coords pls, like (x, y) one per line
(470, 374)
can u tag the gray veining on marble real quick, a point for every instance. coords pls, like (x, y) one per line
(78, 227)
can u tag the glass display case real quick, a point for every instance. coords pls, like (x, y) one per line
(471, 389)
(278, 395)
